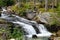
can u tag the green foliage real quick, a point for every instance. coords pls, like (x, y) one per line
(15, 32)
(2, 3)
(2, 30)
(58, 11)
(22, 9)
(12, 31)
(9, 2)
(51, 10)
(6, 2)
(55, 15)
(24, 1)
(54, 19)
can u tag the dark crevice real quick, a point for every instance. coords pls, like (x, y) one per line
(36, 29)
(0, 14)
(34, 36)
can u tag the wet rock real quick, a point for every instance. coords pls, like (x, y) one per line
(34, 36)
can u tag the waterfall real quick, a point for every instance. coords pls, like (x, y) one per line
(30, 27)
(3, 9)
(43, 30)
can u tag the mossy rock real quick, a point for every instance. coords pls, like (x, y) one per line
(3, 21)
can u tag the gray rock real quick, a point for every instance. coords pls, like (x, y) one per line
(44, 17)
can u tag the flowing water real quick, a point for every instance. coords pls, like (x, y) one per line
(30, 27)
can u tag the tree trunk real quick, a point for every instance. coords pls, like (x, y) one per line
(52, 4)
(34, 3)
(56, 2)
(46, 5)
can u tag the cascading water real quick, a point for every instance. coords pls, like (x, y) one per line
(27, 26)
(44, 31)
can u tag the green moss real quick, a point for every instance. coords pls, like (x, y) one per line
(42, 9)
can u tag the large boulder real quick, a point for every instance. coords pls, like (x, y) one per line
(31, 14)
(44, 17)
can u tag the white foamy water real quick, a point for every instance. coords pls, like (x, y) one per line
(43, 30)
(28, 28)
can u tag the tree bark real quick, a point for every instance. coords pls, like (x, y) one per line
(46, 5)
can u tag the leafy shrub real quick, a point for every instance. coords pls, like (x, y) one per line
(15, 32)
(21, 10)
(6, 2)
